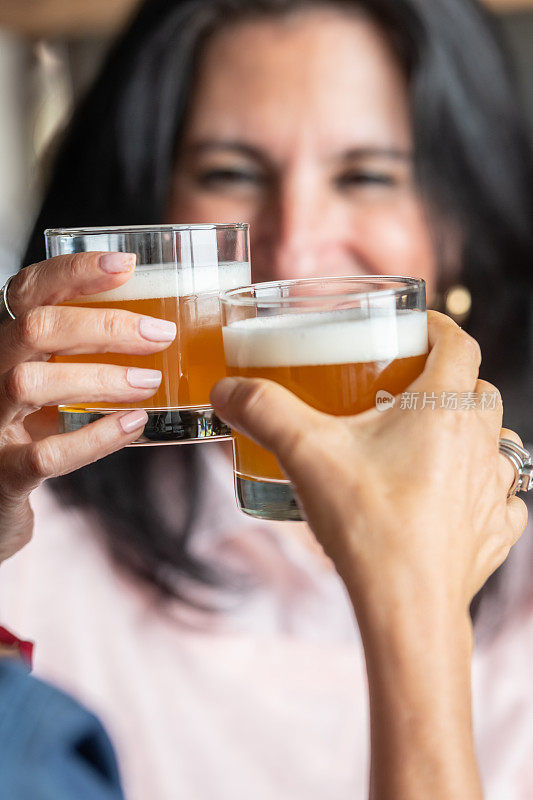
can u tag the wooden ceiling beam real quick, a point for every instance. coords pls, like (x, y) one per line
(57, 18)
(502, 6)
(80, 18)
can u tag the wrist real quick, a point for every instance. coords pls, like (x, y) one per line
(415, 639)
(406, 604)
(424, 644)
(418, 660)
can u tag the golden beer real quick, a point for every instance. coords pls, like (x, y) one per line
(334, 361)
(194, 361)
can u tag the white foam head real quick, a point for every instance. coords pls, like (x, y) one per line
(167, 280)
(334, 337)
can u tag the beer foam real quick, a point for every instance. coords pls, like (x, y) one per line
(334, 337)
(167, 280)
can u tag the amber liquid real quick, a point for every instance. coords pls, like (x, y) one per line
(338, 389)
(192, 363)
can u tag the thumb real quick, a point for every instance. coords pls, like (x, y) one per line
(271, 416)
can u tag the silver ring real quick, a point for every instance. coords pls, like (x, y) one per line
(522, 462)
(5, 312)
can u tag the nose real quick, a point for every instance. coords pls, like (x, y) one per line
(301, 236)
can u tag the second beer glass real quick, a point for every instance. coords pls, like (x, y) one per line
(181, 269)
(335, 343)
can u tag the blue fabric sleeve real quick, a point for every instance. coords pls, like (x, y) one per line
(50, 747)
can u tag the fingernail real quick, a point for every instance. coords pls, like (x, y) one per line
(133, 420)
(222, 391)
(143, 378)
(157, 330)
(117, 262)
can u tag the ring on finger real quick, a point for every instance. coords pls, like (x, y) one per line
(6, 315)
(521, 460)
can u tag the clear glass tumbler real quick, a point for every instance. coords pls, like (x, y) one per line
(340, 344)
(180, 272)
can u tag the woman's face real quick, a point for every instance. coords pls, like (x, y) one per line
(300, 126)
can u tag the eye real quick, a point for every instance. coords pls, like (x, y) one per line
(359, 177)
(227, 176)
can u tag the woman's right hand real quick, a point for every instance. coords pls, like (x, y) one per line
(412, 500)
(28, 382)
(412, 508)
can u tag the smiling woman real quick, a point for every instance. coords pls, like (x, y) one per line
(355, 136)
(329, 188)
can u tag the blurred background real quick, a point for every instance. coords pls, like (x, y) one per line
(49, 53)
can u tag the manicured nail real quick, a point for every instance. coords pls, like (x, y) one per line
(143, 378)
(133, 420)
(222, 391)
(157, 330)
(117, 262)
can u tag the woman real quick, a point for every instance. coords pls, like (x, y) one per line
(354, 137)
(422, 743)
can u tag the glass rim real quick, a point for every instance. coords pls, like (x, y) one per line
(53, 232)
(409, 286)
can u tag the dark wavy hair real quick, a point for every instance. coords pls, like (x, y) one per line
(472, 165)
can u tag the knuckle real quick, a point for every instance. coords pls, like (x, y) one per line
(18, 383)
(112, 322)
(95, 439)
(443, 425)
(493, 390)
(452, 340)
(40, 461)
(34, 325)
(507, 433)
(471, 347)
(466, 423)
(102, 378)
(76, 266)
(246, 396)
(490, 388)
(501, 553)
(251, 395)
(525, 516)
(522, 516)
(21, 286)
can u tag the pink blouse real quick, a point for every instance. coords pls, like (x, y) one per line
(266, 699)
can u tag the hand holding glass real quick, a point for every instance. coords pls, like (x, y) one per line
(180, 272)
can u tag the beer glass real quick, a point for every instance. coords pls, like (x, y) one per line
(337, 343)
(180, 272)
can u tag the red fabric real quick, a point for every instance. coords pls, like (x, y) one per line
(25, 649)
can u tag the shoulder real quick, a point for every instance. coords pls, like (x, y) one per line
(50, 746)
